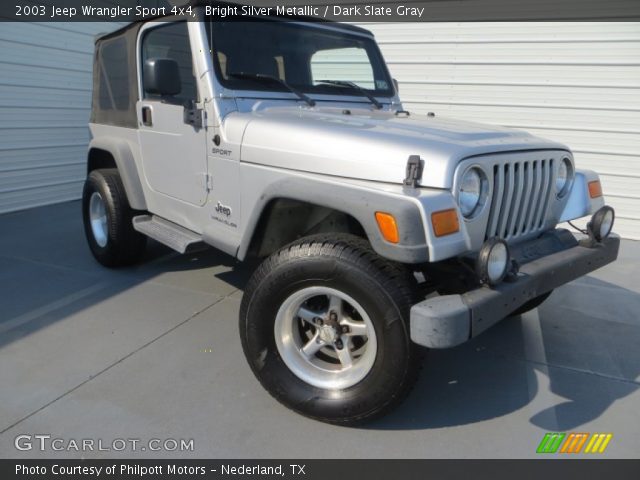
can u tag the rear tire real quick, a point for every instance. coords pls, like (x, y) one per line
(316, 367)
(107, 219)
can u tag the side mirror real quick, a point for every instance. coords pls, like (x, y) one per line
(395, 84)
(161, 76)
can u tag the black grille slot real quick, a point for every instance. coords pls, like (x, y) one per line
(521, 193)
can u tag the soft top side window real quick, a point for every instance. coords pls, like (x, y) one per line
(114, 77)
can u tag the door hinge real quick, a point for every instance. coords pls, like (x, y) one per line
(207, 181)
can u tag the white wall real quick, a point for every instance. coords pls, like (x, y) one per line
(578, 83)
(45, 100)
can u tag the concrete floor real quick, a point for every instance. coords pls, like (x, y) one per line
(153, 352)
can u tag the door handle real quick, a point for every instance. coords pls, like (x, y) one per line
(147, 118)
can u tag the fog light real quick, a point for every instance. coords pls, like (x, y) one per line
(601, 223)
(493, 261)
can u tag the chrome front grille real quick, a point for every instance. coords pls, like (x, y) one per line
(521, 196)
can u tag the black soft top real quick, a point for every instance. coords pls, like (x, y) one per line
(135, 26)
(115, 81)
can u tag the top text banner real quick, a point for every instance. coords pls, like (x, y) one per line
(348, 11)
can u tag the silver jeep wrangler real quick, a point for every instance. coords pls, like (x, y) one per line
(378, 230)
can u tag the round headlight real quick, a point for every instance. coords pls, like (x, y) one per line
(471, 192)
(564, 176)
(602, 223)
(493, 261)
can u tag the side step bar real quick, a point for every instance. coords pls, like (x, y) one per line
(168, 233)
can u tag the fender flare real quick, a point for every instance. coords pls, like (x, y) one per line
(362, 202)
(122, 154)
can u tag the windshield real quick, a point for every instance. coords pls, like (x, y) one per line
(301, 55)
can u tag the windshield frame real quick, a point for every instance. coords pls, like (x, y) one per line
(253, 90)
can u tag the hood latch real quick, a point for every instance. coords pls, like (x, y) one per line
(414, 171)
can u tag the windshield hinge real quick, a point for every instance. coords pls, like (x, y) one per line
(414, 171)
(194, 114)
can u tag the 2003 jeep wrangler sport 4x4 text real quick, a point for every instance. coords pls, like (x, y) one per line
(378, 230)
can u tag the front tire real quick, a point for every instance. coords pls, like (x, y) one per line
(324, 327)
(107, 219)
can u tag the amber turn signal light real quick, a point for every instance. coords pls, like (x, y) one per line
(388, 227)
(445, 222)
(595, 189)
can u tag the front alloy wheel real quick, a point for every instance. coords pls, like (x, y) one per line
(325, 338)
(324, 327)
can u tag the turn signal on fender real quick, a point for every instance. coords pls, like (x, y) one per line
(445, 222)
(595, 189)
(388, 227)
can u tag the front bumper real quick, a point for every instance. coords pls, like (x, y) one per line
(450, 320)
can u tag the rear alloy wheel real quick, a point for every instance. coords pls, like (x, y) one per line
(98, 219)
(108, 220)
(324, 327)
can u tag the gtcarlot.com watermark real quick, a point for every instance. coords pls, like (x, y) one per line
(49, 443)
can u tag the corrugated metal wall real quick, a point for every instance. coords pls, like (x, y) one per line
(578, 83)
(45, 99)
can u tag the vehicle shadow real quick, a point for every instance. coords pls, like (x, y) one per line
(64, 318)
(566, 363)
(47, 272)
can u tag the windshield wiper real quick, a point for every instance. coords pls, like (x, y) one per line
(262, 78)
(354, 86)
